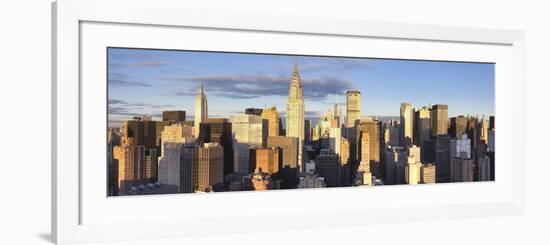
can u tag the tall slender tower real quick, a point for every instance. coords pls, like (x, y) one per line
(295, 113)
(353, 105)
(406, 113)
(272, 117)
(201, 111)
(439, 117)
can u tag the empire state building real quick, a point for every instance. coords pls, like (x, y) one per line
(295, 113)
(201, 111)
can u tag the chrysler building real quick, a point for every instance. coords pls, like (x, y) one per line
(295, 113)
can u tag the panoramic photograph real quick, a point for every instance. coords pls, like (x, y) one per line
(182, 121)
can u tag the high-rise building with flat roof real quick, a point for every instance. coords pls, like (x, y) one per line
(396, 159)
(253, 111)
(131, 164)
(391, 133)
(151, 164)
(491, 141)
(422, 126)
(353, 107)
(176, 133)
(484, 168)
(328, 167)
(458, 126)
(177, 166)
(462, 169)
(144, 131)
(414, 151)
(484, 130)
(173, 116)
(459, 145)
(249, 131)
(427, 174)
(289, 155)
(219, 130)
(268, 160)
(372, 127)
(443, 158)
(289, 146)
(209, 168)
(272, 117)
(439, 117)
(412, 171)
(406, 115)
(307, 132)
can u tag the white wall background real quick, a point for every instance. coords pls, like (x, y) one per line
(25, 122)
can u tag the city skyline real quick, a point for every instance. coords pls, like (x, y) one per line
(145, 81)
(232, 144)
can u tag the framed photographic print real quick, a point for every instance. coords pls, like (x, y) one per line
(178, 122)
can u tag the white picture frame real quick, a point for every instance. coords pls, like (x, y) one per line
(69, 197)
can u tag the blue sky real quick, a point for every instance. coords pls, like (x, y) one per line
(144, 81)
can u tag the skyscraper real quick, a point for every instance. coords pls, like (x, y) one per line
(439, 117)
(209, 168)
(364, 174)
(289, 146)
(201, 110)
(307, 132)
(353, 107)
(458, 126)
(113, 139)
(396, 159)
(272, 117)
(327, 166)
(219, 130)
(151, 164)
(406, 115)
(443, 158)
(142, 130)
(338, 114)
(173, 116)
(253, 111)
(177, 166)
(295, 113)
(462, 169)
(131, 164)
(427, 173)
(364, 164)
(249, 131)
(484, 168)
(345, 167)
(414, 151)
(391, 133)
(491, 141)
(460, 145)
(372, 129)
(412, 170)
(268, 160)
(484, 130)
(177, 133)
(422, 126)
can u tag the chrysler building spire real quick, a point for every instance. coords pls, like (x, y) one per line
(295, 113)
